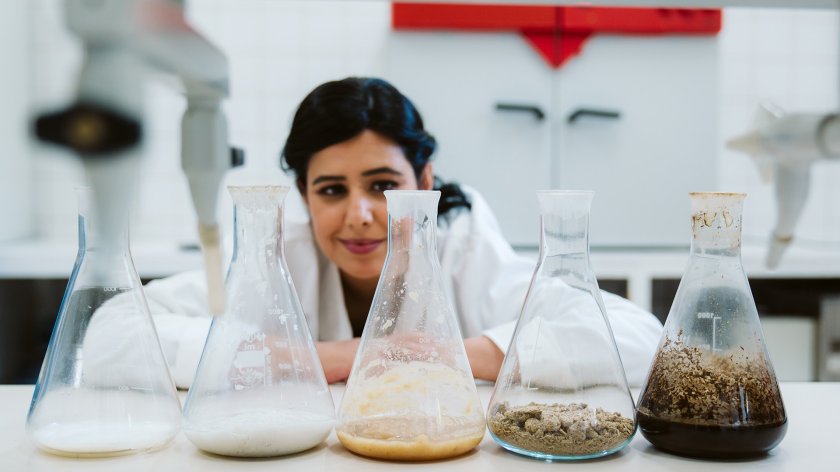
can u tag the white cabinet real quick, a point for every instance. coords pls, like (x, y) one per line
(456, 79)
(641, 165)
(662, 146)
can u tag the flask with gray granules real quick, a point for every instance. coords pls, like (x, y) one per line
(556, 429)
(561, 393)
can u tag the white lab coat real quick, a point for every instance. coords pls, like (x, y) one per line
(485, 279)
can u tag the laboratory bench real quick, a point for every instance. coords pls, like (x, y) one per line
(810, 444)
(631, 272)
(33, 276)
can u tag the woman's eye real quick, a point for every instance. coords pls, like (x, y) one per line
(331, 190)
(383, 185)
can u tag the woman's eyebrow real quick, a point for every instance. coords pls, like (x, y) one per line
(328, 178)
(381, 170)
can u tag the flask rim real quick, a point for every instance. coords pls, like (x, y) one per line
(258, 188)
(717, 194)
(412, 192)
(565, 192)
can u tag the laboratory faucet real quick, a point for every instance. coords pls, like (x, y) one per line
(784, 146)
(123, 42)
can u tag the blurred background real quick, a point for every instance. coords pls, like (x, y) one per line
(640, 117)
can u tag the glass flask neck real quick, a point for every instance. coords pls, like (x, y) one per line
(258, 223)
(92, 238)
(716, 223)
(564, 217)
(412, 222)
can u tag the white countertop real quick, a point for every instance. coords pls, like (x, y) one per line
(810, 445)
(54, 260)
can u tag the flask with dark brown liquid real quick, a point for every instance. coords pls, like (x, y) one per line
(711, 391)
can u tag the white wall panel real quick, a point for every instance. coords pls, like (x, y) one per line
(16, 194)
(281, 49)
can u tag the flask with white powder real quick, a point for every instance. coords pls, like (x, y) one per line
(260, 390)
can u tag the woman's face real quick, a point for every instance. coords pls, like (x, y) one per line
(344, 194)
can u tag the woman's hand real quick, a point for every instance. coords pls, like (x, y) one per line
(485, 357)
(337, 358)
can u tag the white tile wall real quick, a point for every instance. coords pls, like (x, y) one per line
(279, 50)
(16, 189)
(789, 58)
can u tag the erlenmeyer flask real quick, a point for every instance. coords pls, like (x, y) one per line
(562, 393)
(711, 391)
(411, 394)
(104, 388)
(259, 390)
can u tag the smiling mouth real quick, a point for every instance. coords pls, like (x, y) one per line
(361, 246)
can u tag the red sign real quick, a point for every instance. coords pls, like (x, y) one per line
(558, 33)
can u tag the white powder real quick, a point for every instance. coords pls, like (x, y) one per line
(260, 433)
(95, 438)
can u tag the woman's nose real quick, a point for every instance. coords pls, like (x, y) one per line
(360, 212)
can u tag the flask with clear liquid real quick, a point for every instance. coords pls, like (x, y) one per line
(562, 393)
(104, 387)
(711, 390)
(259, 390)
(411, 393)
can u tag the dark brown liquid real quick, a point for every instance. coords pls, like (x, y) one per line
(713, 442)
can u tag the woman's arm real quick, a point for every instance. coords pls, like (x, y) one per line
(179, 311)
(489, 284)
(485, 357)
(337, 358)
(178, 305)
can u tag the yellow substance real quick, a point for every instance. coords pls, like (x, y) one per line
(209, 236)
(409, 387)
(418, 449)
(416, 411)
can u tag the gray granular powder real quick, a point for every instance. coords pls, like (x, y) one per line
(571, 429)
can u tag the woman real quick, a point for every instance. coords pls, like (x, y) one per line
(349, 142)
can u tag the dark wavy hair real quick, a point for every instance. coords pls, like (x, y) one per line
(340, 110)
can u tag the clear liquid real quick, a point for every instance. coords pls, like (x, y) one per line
(90, 422)
(91, 438)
